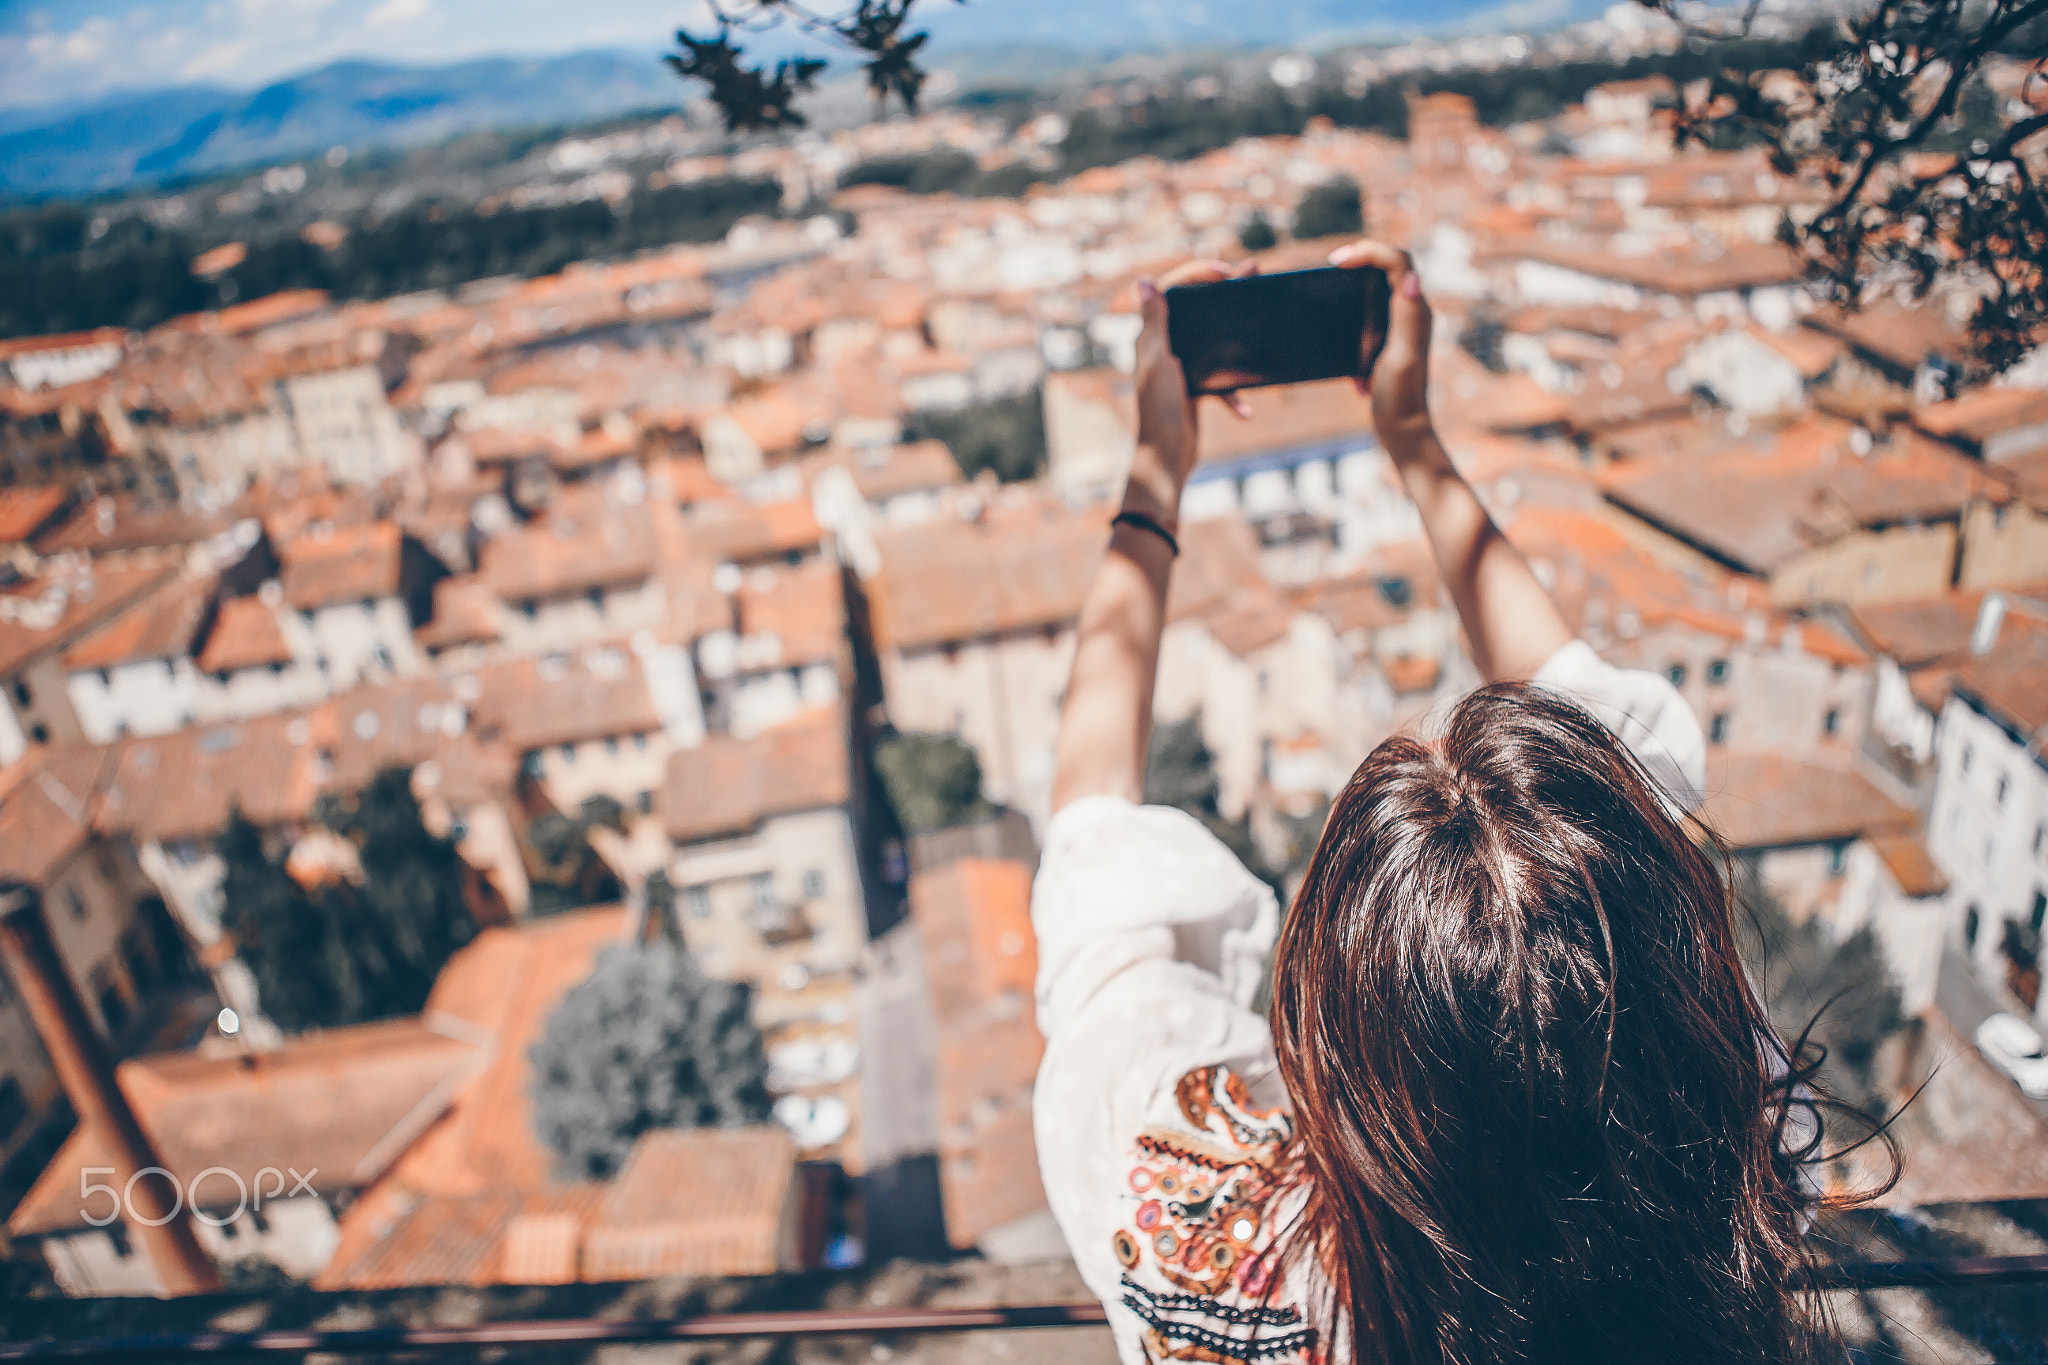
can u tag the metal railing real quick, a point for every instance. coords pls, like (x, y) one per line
(1970, 1271)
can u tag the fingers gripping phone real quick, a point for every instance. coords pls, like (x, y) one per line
(1277, 329)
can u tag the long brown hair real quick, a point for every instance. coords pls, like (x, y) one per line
(1535, 1110)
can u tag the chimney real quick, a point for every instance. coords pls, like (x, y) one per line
(1990, 616)
(87, 1073)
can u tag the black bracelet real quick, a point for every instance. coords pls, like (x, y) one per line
(1147, 523)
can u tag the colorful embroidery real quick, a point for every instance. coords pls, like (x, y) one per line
(1205, 1198)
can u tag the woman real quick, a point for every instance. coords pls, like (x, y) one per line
(1515, 1099)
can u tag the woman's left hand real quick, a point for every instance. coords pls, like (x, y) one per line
(1167, 424)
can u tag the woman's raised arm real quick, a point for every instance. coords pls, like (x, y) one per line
(1106, 723)
(1510, 622)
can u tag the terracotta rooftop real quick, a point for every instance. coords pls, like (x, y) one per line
(803, 608)
(534, 703)
(1761, 504)
(346, 564)
(336, 1106)
(465, 613)
(728, 785)
(439, 1214)
(747, 533)
(1772, 800)
(49, 801)
(45, 614)
(1918, 633)
(701, 1202)
(590, 538)
(245, 634)
(1897, 339)
(1016, 568)
(1702, 271)
(111, 524)
(975, 918)
(182, 785)
(1905, 856)
(26, 511)
(884, 472)
(165, 625)
(1979, 417)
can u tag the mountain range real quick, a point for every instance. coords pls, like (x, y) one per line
(138, 138)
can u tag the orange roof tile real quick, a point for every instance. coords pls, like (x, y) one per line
(49, 612)
(535, 703)
(245, 634)
(465, 612)
(589, 538)
(336, 1106)
(1017, 568)
(701, 1202)
(1905, 856)
(25, 511)
(164, 625)
(804, 608)
(728, 785)
(347, 564)
(1774, 800)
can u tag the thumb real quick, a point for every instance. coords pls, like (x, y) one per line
(1151, 305)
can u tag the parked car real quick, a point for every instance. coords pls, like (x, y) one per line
(2014, 1047)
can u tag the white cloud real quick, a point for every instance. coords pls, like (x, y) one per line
(397, 12)
(83, 45)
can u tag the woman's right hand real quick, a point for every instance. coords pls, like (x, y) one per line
(1399, 383)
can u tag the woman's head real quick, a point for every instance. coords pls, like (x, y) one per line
(1528, 1073)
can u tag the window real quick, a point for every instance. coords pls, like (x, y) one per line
(1998, 790)
(596, 596)
(568, 752)
(697, 902)
(1968, 756)
(611, 744)
(762, 886)
(71, 899)
(639, 744)
(1717, 729)
(13, 1108)
(1838, 856)
(1717, 671)
(2039, 914)
(1971, 920)
(22, 696)
(258, 1221)
(2040, 837)
(814, 884)
(117, 1233)
(531, 607)
(1831, 723)
(644, 803)
(1677, 675)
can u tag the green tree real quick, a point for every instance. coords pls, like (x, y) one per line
(1180, 771)
(1331, 209)
(648, 1041)
(932, 781)
(1003, 435)
(1810, 980)
(1257, 234)
(343, 953)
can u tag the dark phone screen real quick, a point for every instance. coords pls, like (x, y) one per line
(1277, 329)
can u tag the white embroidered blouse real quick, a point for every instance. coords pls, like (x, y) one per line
(1159, 1112)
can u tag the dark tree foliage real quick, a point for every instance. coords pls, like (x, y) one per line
(754, 99)
(932, 782)
(1886, 81)
(1331, 209)
(1003, 435)
(1257, 234)
(1833, 991)
(54, 277)
(340, 953)
(944, 172)
(647, 1042)
(1181, 771)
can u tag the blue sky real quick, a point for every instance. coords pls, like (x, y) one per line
(80, 49)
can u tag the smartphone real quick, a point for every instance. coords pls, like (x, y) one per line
(1277, 329)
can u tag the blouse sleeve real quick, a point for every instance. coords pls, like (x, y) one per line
(1644, 711)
